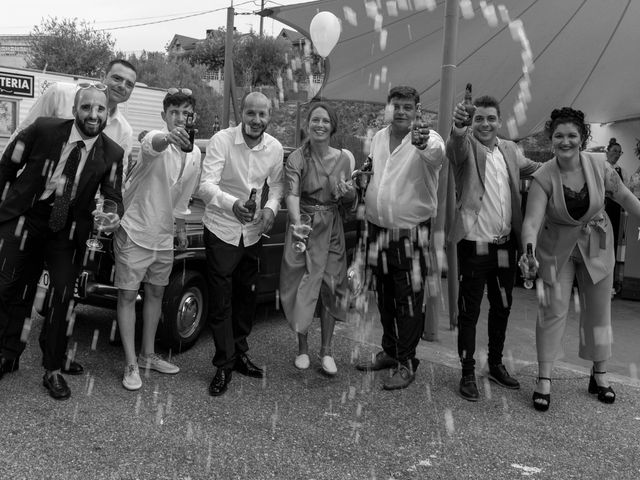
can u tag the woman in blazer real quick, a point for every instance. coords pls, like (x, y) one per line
(572, 237)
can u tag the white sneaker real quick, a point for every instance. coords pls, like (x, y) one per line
(329, 365)
(131, 379)
(302, 361)
(155, 362)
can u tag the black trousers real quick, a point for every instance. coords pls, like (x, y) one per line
(232, 275)
(400, 305)
(479, 265)
(22, 256)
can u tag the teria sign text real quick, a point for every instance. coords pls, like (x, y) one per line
(16, 85)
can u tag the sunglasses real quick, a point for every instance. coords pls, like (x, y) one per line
(97, 85)
(174, 90)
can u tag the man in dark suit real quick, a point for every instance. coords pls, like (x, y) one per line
(486, 229)
(45, 218)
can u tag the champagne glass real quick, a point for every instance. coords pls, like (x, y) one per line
(301, 233)
(105, 209)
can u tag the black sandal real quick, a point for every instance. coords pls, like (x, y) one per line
(605, 394)
(542, 406)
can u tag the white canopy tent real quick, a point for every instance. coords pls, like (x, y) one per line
(585, 54)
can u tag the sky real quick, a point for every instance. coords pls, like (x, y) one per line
(157, 33)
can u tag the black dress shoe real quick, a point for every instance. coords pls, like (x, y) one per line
(382, 361)
(8, 365)
(57, 386)
(71, 367)
(220, 382)
(469, 388)
(246, 367)
(498, 374)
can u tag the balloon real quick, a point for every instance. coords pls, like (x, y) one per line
(325, 31)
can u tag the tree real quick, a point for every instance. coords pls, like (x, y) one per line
(159, 70)
(69, 46)
(261, 60)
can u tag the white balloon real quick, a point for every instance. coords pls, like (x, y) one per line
(325, 31)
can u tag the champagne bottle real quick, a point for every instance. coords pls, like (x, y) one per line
(418, 123)
(189, 127)
(531, 261)
(468, 106)
(251, 203)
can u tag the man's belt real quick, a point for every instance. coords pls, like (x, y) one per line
(501, 240)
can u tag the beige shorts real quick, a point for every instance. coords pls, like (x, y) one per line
(136, 264)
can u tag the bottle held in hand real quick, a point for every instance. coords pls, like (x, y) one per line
(190, 128)
(417, 138)
(251, 203)
(531, 268)
(468, 106)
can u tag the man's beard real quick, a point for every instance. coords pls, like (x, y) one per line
(90, 132)
(248, 131)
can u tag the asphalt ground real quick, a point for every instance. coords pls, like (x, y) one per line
(304, 425)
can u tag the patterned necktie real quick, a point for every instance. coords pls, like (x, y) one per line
(58, 217)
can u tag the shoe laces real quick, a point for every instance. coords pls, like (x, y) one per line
(131, 369)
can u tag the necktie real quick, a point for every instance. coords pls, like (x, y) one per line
(58, 217)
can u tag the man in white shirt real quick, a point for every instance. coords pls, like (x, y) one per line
(57, 101)
(400, 200)
(486, 229)
(159, 192)
(238, 159)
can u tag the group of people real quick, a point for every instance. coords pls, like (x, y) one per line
(54, 169)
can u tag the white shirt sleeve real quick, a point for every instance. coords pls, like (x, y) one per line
(212, 167)
(275, 180)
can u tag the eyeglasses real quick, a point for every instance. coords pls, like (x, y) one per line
(174, 90)
(97, 85)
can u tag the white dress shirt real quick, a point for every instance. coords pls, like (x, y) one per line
(229, 171)
(57, 101)
(494, 219)
(161, 185)
(56, 181)
(403, 191)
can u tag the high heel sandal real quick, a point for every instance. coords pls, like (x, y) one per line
(605, 394)
(545, 397)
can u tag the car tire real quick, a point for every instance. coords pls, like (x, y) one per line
(184, 310)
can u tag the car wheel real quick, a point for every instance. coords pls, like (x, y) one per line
(184, 310)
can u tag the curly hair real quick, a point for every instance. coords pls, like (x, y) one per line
(404, 92)
(563, 115)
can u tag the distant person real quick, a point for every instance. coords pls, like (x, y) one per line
(315, 185)
(572, 239)
(238, 159)
(159, 192)
(614, 211)
(486, 229)
(401, 198)
(57, 101)
(45, 217)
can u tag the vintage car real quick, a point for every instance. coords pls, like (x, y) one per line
(186, 302)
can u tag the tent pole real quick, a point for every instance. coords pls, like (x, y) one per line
(446, 187)
(228, 69)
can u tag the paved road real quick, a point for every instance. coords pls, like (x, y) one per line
(303, 425)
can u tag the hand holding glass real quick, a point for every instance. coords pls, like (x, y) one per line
(105, 209)
(301, 233)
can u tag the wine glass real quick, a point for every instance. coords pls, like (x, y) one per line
(301, 233)
(105, 209)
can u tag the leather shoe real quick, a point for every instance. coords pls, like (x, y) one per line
(246, 367)
(381, 361)
(71, 367)
(498, 374)
(220, 382)
(469, 388)
(401, 378)
(57, 386)
(8, 365)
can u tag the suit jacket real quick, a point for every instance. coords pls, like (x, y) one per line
(561, 232)
(468, 160)
(24, 182)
